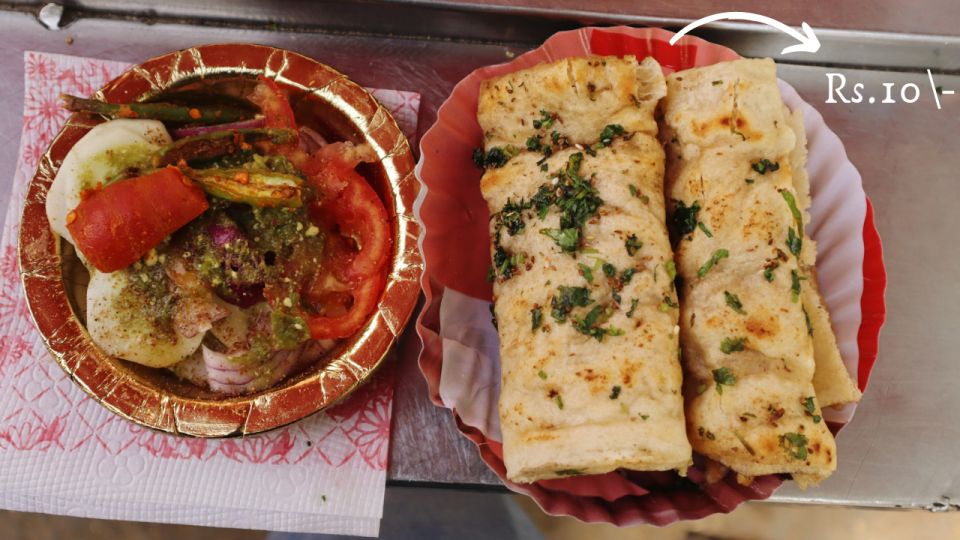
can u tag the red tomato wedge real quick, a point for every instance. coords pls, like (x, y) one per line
(117, 225)
(365, 296)
(348, 204)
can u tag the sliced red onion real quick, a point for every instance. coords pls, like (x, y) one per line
(310, 140)
(238, 293)
(228, 377)
(193, 131)
(223, 232)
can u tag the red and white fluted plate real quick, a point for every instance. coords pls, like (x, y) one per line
(460, 354)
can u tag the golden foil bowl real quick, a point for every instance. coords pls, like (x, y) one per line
(322, 99)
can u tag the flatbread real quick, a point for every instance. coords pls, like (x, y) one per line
(748, 352)
(572, 403)
(587, 94)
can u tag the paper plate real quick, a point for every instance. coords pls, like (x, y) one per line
(322, 98)
(460, 355)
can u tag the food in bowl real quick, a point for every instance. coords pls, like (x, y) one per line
(224, 242)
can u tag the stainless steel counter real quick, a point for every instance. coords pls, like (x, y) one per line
(898, 451)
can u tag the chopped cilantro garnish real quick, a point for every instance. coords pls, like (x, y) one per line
(511, 216)
(765, 165)
(633, 245)
(495, 158)
(609, 270)
(806, 317)
(795, 444)
(633, 190)
(536, 318)
(723, 377)
(542, 200)
(627, 275)
(633, 307)
(610, 132)
(546, 120)
(713, 260)
(671, 269)
(567, 239)
(589, 325)
(732, 344)
(795, 285)
(615, 392)
(684, 219)
(667, 304)
(542, 374)
(703, 227)
(794, 242)
(559, 401)
(748, 180)
(792, 203)
(534, 144)
(505, 264)
(555, 138)
(587, 272)
(768, 270)
(717, 83)
(566, 299)
(734, 302)
(810, 409)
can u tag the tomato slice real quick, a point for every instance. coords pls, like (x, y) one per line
(117, 225)
(273, 104)
(348, 204)
(365, 296)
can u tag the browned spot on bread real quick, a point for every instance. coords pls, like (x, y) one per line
(762, 326)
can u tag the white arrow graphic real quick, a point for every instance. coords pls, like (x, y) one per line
(808, 40)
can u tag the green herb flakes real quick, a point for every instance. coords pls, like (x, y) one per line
(559, 401)
(567, 239)
(768, 270)
(633, 245)
(717, 256)
(586, 271)
(732, 344)
(610, 132)
(702, 226)
(792, 203)
(723, 377)
(671, 269)
(806, 318)
(568, 472)
(810, 408)
(542, 374)
(734, 302)
(615, 392)
(748, 180)
(609, 270)
(716, 83)
(794, 242)
(684, 218)
(795, 444)
(765, 165)
(566, 299)
(534, 144)
(633, 307)
(667, 304)
(795, 286)
(545, 121)
(536, 318)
